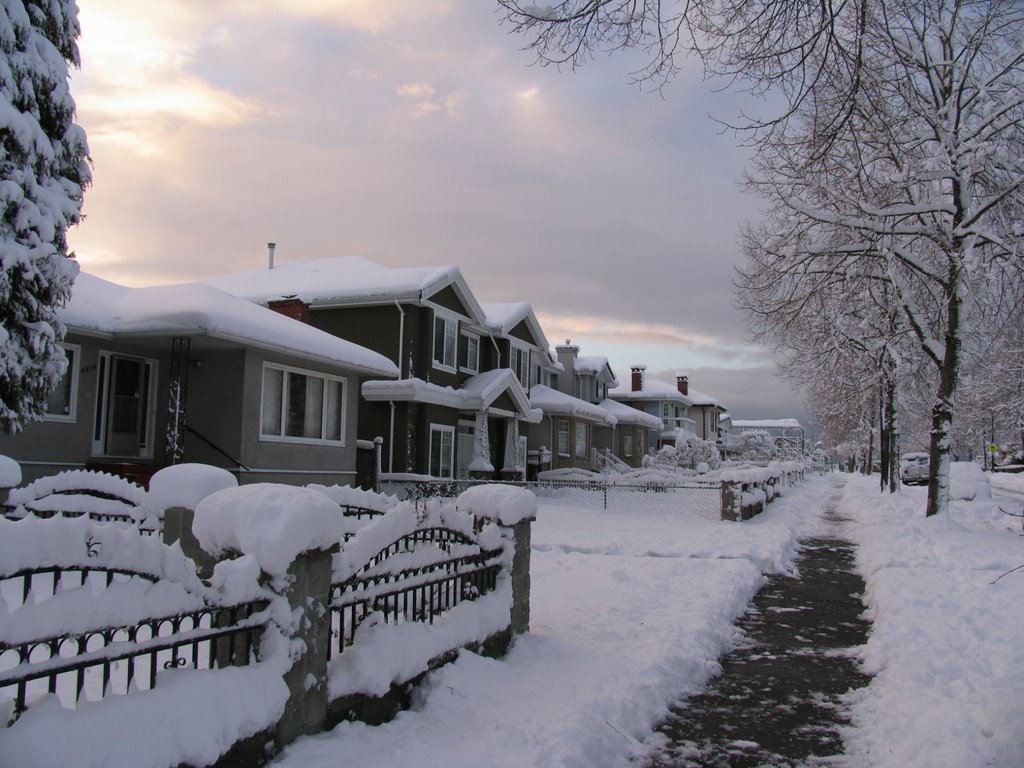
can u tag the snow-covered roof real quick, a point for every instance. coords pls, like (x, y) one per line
(551, 401)
(596, 365)
(100, 306)
(699, 398)
(501, 318)
(767, 424)
(477, 393)
(346, 280)
(652, 390)
(627, 414)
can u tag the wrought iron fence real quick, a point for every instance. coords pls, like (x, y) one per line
(418, 577)
(115, 660)
(693, 498)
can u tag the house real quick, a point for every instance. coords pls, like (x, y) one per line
(670, 405)
(188, 373)
(705, 410)
(581, 426)
(459, 405)
(785, 432)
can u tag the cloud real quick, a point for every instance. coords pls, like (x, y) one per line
(368, 16)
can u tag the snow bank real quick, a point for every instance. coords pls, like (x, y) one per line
(506, 504)
(274, 523)
(968, 482)
(945, 647)
(185, 485)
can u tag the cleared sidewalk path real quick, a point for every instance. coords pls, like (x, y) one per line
(776, 702)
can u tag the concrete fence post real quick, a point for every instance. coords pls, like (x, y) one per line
(178, 528)
(308, 596)
(520, 615)
(731, 498)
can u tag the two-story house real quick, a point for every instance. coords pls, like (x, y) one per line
(459, 403)
(188, 373)
(581, 425)
(669, 405)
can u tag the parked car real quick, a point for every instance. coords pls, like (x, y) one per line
(914, 468)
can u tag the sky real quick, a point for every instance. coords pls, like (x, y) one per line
(415, 133)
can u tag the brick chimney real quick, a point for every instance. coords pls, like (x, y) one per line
(292, 307)
(637, 382)
(683, 383)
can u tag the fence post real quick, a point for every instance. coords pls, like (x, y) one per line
(730, 501)
(520, 614)
(178, 528)
(308, 595)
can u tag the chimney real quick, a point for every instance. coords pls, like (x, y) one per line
(292, 307)
(638, 377)
(270, 255)
(683, 383)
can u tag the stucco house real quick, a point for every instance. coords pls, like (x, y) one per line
(459, 404)
(188, 373)
(784, 431)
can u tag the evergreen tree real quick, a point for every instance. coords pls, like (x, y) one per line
(43, 171)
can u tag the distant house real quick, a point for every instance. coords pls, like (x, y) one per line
(581, 425)
(670, 405)
(705, 410)
(189, 373)
(784, 431)
(459, 405)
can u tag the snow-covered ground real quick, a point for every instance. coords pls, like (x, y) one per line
(631, 610)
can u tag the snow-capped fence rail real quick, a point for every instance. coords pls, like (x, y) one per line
(83, 493)
(92, 610)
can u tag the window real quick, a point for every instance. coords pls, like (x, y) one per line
(520, 364)
(442, 445)
(469, 352)
(302, 405)
(446, 330)
(563, 437)
(581, 440)
(62, 403)
(627, 441)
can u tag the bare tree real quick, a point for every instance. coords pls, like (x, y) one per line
(922, 182)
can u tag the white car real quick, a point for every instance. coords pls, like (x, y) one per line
(914, 469)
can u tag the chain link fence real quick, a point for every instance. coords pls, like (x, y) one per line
(696, 499)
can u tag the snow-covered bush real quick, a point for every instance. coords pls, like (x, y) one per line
(688, 452)
(968, 482)
(755, 445)
(43, 170)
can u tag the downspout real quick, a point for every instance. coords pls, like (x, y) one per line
(401, 348)
(391, 442)
(497, 350)
(401, 336)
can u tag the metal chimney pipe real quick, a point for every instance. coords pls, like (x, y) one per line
(270, 254)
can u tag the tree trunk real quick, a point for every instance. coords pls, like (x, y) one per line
(942, 411)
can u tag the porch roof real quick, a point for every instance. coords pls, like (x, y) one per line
(551, 401)
(477, 393)
(627, 414)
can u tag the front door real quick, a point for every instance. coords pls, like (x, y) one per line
(125, 409)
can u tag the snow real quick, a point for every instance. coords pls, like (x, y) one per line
(506, 504)
(553, 402)
(474, 394)
(198, 309)
(10, 472)
(334, 281)
(185, 485)
(627, 414)
(767, 424)
(629, 611)
(271, 522)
